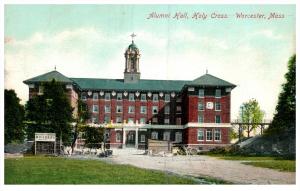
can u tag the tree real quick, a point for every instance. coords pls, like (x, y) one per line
(50, 112)
(251, 113)
(93, 136)
(284, 120)
(13, 118)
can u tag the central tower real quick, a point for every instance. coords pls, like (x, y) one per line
(132, 69)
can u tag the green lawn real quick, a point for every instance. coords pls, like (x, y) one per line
(265, 162)
(53, 170)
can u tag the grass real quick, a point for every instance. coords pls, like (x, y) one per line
(276, 163)
(52, 170)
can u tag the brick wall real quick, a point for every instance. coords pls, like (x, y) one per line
(191, 136)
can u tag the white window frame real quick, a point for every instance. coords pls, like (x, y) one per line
(167, 121)
(143, 111)
(83, 97)
(166, 136)
(119, 95)
(107, 109)
(178, 121)
(217, 95)
(200, 103)
(94, 120)
(165, 109)
(206, 133)
(144, 120)
(107, 116)
(119, 107)
(153, 109)
(95, 96)
(177, 135)
(154, 135)
(118, 117)
(217, 103)
(154, 98)
(131, 97)
(198, 135)
(94, 108)
(154, 120)
(131, 109)
(143, 138)
(143, 96)
(107, 96)
(202, 93)
(216, 119)
(41, 90)
(215, 133)
(199, 118)
(178, 108)
(167, 97)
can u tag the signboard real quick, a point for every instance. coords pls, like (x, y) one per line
(49, 137)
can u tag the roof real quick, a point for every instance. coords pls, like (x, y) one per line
(210, 80)
(132, 46)
(49, 77)
(118, 84)
(151, 85)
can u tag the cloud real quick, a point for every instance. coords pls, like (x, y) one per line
(266, 33)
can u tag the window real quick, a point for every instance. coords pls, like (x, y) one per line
(107, 96)
(178, 109)
(178, 99)
(167, 109)
(209, 135)
(118, 137)
(154, 120)
(200, 106)
(83, 96)
(107, 119)
(167, 97)
(143, 109)
(218, 93)
(154, 135)
(217, 135)
(178, 137)
(119, 120)
(94, 120)
(95, 108)
(41, 90)
(166, 136)
(154, 109)
(218, 106)
(130, 120)
(131, 97)
(178, 121)
(200, 118)
(155, 97)
(218, 119)
(95, 96)
(201, 93)
(119, 108)
(167, 121)
(200, 135)
(107, 109)
(143, 138)
(131, 109)
(119, 96)
(143, 97)
(142, 120)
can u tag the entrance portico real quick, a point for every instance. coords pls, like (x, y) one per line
(130, 136)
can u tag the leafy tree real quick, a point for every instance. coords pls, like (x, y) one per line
(93, 136)
(284, 120)
(251, 113)
(13, 118)
(50, 112)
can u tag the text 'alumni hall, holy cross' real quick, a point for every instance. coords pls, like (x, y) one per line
(132, 110)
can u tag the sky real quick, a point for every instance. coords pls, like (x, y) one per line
(90, 41)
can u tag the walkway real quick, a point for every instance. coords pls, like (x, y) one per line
(232, 171)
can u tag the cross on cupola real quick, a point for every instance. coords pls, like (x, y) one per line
(132, 37)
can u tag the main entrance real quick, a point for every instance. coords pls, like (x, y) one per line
(130, 139)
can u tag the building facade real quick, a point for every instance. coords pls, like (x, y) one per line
(132, 110)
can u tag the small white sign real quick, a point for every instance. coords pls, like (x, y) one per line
(45, 137)
(209, 105)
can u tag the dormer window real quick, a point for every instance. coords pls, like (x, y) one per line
(218, 93)
(201, 93)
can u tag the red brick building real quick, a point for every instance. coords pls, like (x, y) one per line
(195, 113)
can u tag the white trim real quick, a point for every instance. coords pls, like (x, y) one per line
(227, 125)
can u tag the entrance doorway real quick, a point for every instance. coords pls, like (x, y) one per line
(130, 139)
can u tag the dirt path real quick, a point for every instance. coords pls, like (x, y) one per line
(232, 171)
